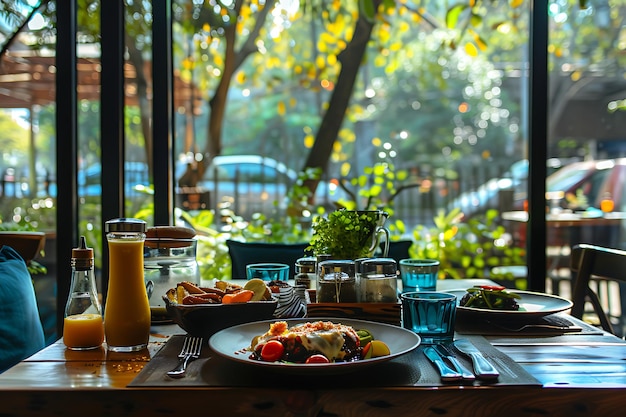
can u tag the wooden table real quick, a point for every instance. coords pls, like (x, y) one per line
(581, 375)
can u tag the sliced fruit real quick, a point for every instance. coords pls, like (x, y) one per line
(261, 292)
(379, 348)
(242, 296)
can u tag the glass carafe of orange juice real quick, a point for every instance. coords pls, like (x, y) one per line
(82, 325)
(127, 310)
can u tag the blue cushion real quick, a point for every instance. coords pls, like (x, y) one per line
(21, 332)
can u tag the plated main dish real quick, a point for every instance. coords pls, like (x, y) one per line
(235, 344)
(315, 342)
(492, 297)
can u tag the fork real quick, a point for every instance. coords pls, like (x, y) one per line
(546, 327)
(192, 346)
(466, 374)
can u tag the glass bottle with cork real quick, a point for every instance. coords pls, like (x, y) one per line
(82, 326)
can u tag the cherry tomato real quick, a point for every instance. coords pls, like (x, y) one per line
(317, 358)
(272, 351)
(492, 287)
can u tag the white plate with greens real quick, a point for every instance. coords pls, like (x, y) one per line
(532, 305)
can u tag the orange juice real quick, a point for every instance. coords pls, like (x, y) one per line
(127, 310)
(83, 331)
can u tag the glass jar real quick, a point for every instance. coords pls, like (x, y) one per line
(378, 280)
(127, 310)
(336, 282)
(166, 262)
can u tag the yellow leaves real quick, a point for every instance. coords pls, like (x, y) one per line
(380, 61)
(516, 3)
(274, 62)
(345, 169)
(328, 38)
(218, 60)
(347, 135)
(320, 62)
(384, 34)
(240, 77)
(471, 49)
(282, 108)
(187, 64)
(392, 67)
(309, 140)
(450, 233)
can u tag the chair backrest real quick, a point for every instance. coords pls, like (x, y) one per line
(244, 253)
(589, 261)
(398, 249)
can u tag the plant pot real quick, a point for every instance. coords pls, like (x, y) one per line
(27, 244)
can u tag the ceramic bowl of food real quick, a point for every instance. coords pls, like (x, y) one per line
(205, 319)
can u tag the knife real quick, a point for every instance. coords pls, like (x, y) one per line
(445, 353)
(482, 368)
(446, 373)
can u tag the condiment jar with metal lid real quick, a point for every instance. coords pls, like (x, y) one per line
(336, 282)
(378, 280)
(127, 310)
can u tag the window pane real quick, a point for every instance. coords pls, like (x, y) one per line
(587, 124)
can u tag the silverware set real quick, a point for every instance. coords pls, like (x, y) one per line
(450, 369)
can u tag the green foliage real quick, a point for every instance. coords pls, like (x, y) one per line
(344, 234)
(467, 249)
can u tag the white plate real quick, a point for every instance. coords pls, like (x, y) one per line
(534, 305)
(232, 343)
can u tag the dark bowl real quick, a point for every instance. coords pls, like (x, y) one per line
(205, 319)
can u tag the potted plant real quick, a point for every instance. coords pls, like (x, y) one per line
(347, 234)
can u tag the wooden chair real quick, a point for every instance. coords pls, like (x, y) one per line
(594, 263)
(244, 253)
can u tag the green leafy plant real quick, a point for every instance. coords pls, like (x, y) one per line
(467, 249)
(344, 234)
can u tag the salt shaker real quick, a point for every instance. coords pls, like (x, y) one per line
(127, 309)
(82, 326)
(378, 280)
